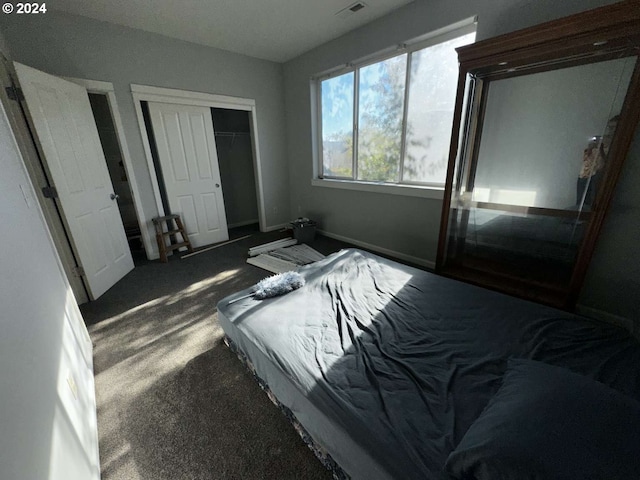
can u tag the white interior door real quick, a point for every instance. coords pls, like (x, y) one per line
(189, 160)
(65, 127)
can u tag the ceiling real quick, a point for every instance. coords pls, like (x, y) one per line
(276, 30)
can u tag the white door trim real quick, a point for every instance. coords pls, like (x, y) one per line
(95, 86)
(184, 97)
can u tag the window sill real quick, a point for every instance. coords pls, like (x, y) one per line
(435, 193)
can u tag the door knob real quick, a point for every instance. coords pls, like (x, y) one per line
(114, 196)
(217, 185)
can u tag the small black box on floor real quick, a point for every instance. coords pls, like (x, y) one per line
(304, 230)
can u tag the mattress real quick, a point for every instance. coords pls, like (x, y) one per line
(387, 366)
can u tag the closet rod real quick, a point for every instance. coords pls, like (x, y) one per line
(229, 134)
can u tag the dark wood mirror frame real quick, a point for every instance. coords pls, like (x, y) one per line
(601, 34)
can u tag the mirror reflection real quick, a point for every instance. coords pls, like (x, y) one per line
(542, 132)
(542, 155)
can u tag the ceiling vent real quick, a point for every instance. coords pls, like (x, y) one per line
(351, 9)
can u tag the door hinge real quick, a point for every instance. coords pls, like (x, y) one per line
(50, 191)
(15, 93)
(78, 271)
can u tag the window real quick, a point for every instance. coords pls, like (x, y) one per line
(389, 120)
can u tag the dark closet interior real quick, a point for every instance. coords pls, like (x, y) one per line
(235, 158)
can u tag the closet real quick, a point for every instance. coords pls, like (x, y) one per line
(235, 158)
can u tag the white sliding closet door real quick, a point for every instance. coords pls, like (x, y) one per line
(189, 161)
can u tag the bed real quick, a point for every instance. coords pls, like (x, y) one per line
(391, 369)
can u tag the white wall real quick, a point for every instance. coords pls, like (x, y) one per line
(48, 431)
(411, 225)
(74, 46)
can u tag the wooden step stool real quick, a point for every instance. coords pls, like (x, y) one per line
(161, 235)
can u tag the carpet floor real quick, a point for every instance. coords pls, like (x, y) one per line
(173, 401)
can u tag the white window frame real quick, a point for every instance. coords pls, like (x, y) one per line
(403, 187)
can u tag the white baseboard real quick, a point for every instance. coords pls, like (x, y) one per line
(242, 224)
(626, 323)
(276, 227)
(392, 253)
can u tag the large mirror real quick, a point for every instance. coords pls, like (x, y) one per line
(535, 165)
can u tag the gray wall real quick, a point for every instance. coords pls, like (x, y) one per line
(4, 46)
(407, 225)
(70, 45)
(411, 225)
(613, 280)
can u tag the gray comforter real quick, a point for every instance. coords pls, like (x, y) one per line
(405, 360)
